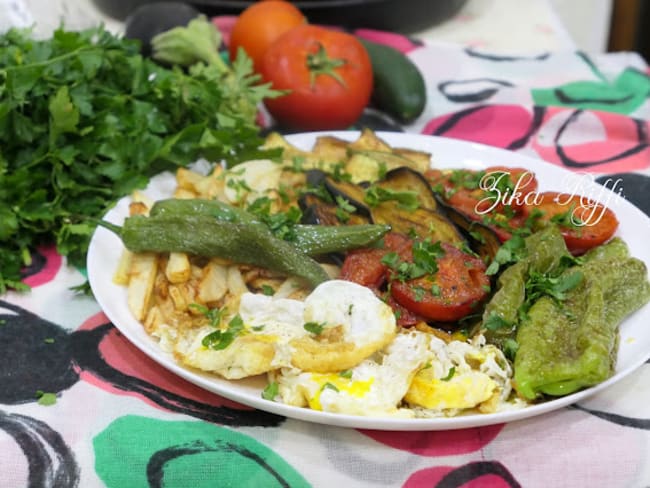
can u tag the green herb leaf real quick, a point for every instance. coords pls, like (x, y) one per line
(314, 327)
(376, 194)
(450, 374)
(496, 322)
(86, 120)
(46, 399)
(270, 391)
(221, 339)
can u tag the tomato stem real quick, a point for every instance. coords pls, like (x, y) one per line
(319, 63)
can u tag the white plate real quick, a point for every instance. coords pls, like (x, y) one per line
(105, 249)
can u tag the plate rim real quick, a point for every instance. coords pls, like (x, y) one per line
(302, 140)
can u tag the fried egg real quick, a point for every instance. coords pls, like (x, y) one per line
(375, 387)
(349, 324)
(355, 324)
(461, 375)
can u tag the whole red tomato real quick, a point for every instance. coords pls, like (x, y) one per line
(328, 74)
(259, 25)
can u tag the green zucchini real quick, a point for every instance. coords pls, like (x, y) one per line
(399, 88)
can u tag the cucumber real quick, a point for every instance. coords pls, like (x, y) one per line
(399, 89)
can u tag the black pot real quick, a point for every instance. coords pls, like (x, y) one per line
(391, 15)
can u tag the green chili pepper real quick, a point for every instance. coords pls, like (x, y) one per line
(245, 243)
(569, 345)
(544, 251)
(311, 240)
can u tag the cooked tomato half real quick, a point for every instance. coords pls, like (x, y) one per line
(453, 292)
(495, 196)
(584, 223)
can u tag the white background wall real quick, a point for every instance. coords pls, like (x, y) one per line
(587, 22)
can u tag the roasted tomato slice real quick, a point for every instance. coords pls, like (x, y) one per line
(365, 266)
(494, 196)
(453, 292)
(584, 223)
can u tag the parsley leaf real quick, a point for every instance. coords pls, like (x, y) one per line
(46, 399)
(450, 374)
(86, 120)
(270, 391)
(510, 252)
(314, 327)
(376, 194)
(221, 339)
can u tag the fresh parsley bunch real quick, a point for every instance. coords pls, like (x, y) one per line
(85, 120)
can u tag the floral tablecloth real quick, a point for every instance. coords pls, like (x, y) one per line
(82, 407)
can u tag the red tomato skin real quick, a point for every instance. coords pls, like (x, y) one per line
(327, 103)
(462, 282)
(601, 222)
(364, 266)
(473, 203)
(259, 25)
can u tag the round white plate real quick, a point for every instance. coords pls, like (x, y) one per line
(634, 350)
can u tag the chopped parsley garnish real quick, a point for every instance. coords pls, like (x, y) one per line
(419, 293)
(339, 174)
(214, 315)
(314, 327)
(346, 374)
(510, 348)
(376, 194)
(268, 290)
(344, 209)
(281, 224)
(510, 252)
(496, 322)
(221, 339)
(270, 391)
(567, 219)
(450, 374)
(540, 284)
(329, 386)
(425, 260)
(45, 399)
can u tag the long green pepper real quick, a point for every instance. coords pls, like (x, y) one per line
(244, 243)
(312, 240)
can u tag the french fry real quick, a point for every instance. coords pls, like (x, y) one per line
(122, 272)
(144, 267)
(184, 193)
(178, 269)
(188, 179)
(138, 208)
(140, 197)
(214, 283)
(153, 319)
(178, 297)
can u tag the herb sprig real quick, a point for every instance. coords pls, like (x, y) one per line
(86, 119)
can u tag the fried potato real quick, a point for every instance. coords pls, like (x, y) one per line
(188, 179)
(178, 269)
(141, 281)
(123, 270)
(214, 282)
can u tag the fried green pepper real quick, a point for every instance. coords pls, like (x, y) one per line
(543, 252)
(245, 243)
(569, 345)
(312, 240)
